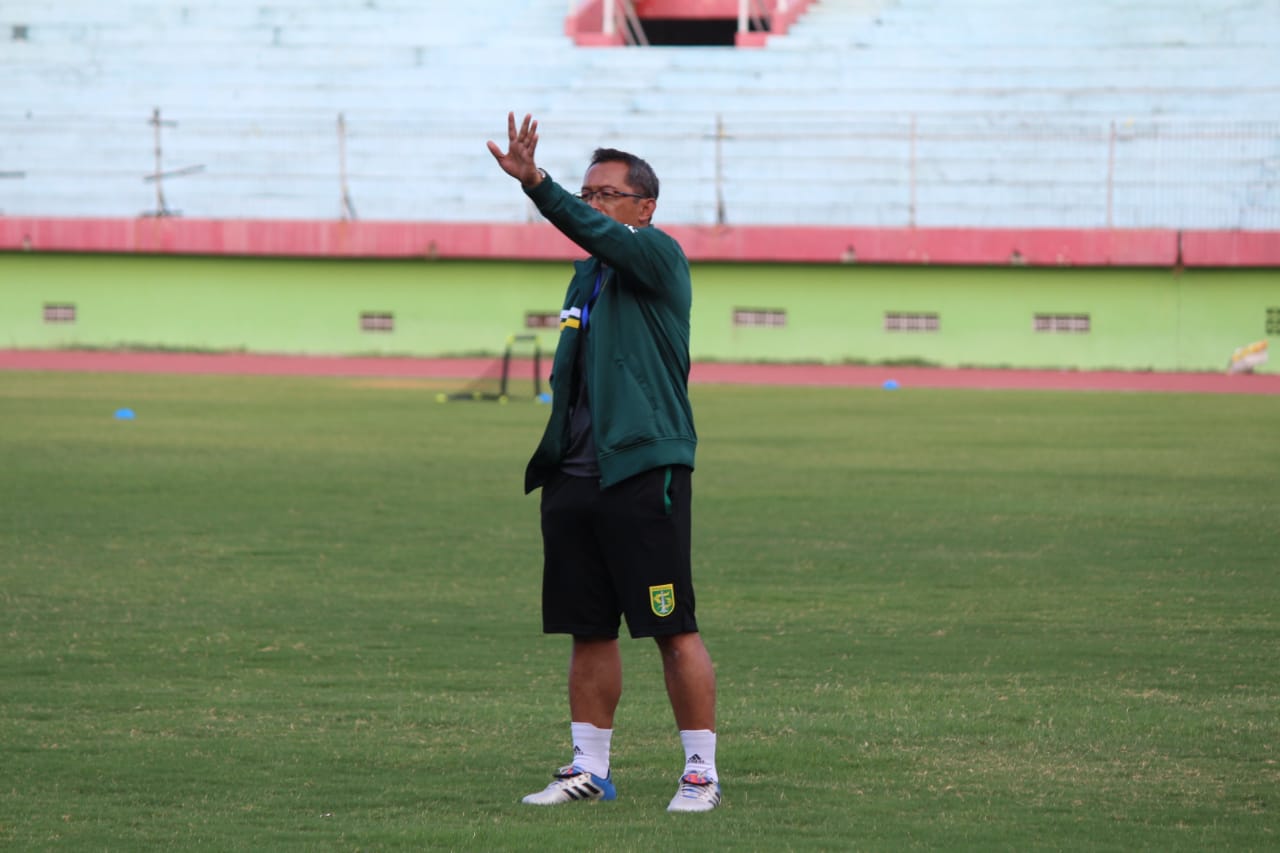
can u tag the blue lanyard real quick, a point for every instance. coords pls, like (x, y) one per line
(586, 309)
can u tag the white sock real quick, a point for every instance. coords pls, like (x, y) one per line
(699, 752)
(591, 748)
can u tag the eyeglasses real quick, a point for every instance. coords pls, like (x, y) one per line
(606, 195)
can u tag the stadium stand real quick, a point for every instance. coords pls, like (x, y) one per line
(985, 113)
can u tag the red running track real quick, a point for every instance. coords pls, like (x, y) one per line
(703, 373)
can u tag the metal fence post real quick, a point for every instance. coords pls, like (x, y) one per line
(720, 214)
(1111, 175)
(911, 168)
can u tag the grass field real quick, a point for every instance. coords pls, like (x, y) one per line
(301, 614)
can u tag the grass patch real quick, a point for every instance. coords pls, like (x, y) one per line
(275, 613)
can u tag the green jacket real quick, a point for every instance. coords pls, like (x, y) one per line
(638, 350)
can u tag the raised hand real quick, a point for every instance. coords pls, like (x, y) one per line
(518, 160)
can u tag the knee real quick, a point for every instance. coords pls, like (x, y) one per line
(675, 646)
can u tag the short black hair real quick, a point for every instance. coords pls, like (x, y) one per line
(639, 173)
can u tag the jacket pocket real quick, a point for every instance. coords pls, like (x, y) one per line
(637, 418)
(638, 382)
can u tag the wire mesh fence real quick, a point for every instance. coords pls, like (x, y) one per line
(978, 170)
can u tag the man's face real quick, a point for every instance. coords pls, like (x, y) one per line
(611, 177)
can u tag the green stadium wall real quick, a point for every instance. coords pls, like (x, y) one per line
(1168, 319)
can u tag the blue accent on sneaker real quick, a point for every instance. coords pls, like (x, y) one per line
(605, 785)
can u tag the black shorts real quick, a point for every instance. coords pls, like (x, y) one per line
(618, 551)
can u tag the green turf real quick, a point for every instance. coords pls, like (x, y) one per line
(301, 614)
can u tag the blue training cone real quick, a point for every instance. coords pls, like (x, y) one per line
(125, 414)
(890, 385)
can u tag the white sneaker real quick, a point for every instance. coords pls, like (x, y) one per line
(573, 785)
(697, 793)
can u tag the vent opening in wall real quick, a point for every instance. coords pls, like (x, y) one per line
(773, 318)
(900, 321)
(541, 320)
(1062, 323)
(1273, 321)
(377, 321)
(59, 312)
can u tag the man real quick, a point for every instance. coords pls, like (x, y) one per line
(614, 465)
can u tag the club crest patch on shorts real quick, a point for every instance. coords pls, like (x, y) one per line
(663, 599)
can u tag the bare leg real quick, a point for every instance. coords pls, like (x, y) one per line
(691, 680)
(595, 681)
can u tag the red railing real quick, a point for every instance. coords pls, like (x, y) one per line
(1047, 247)
(615, 23)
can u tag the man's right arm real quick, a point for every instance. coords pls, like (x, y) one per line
(646, 254)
